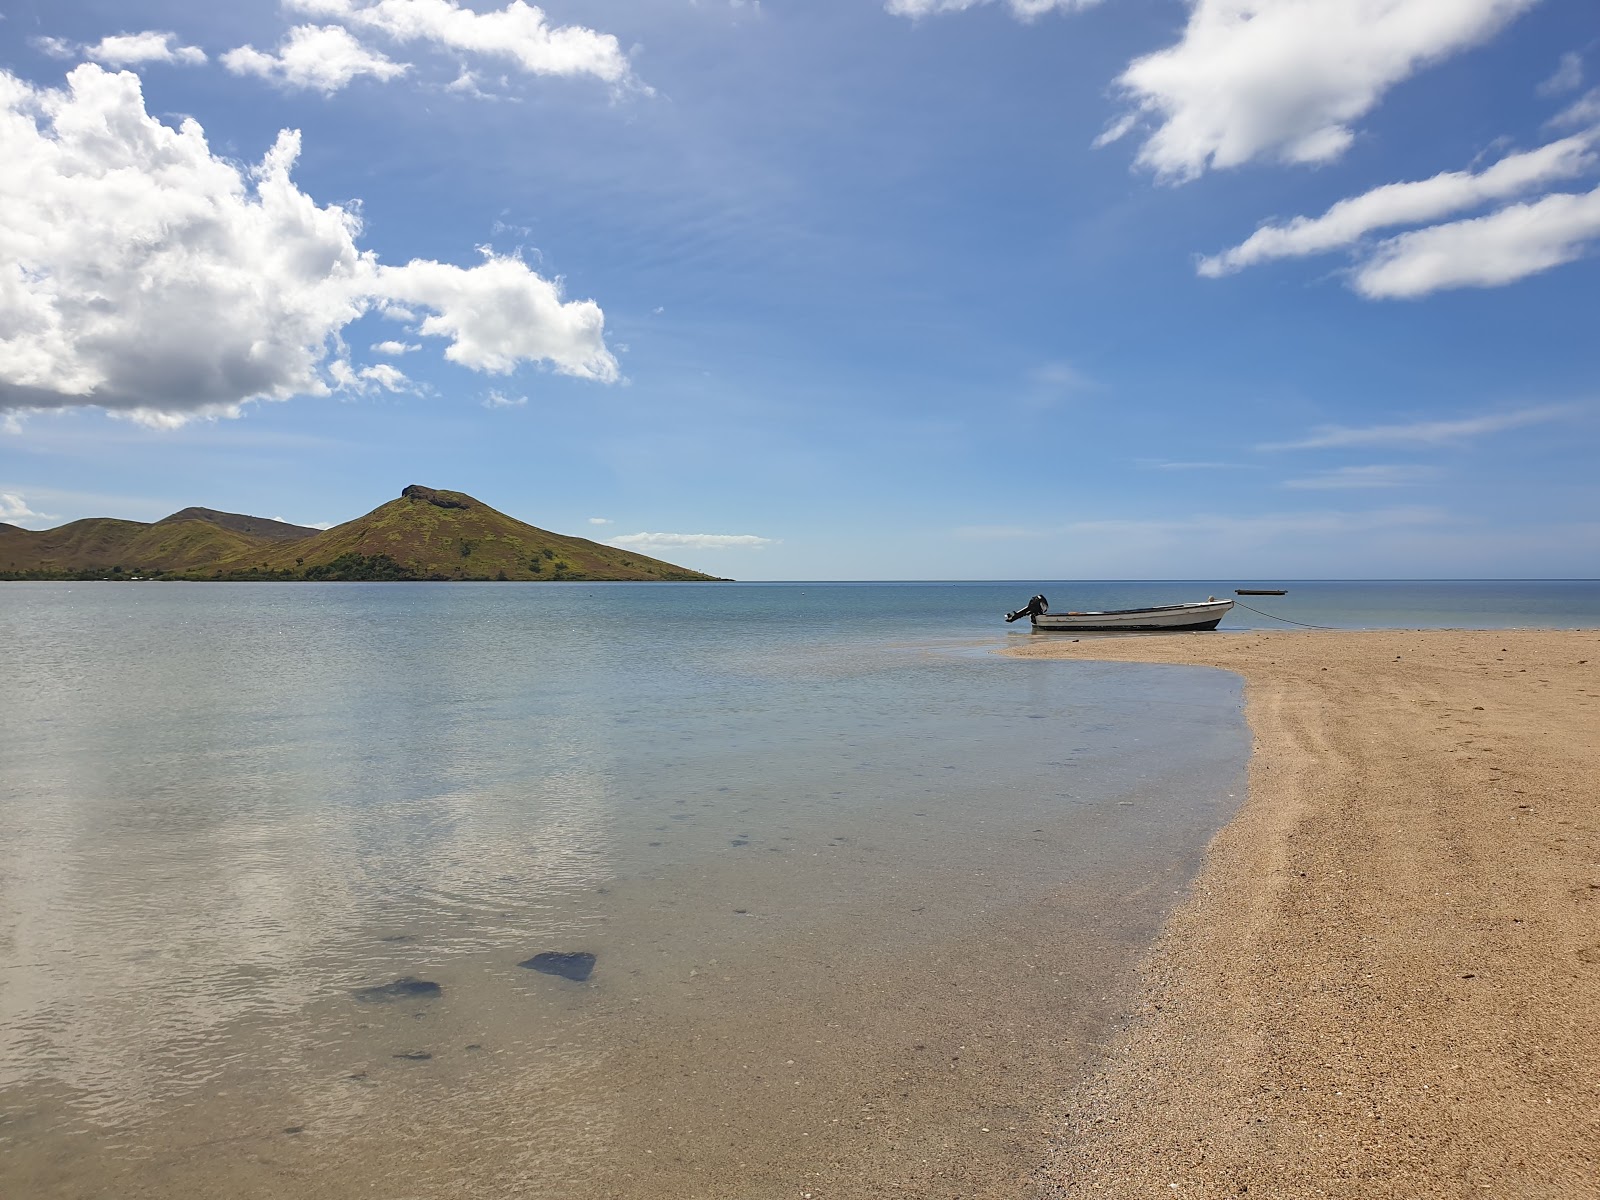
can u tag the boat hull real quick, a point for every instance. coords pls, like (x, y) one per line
(1167, 618)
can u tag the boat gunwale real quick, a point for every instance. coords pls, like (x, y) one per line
(1122, 612)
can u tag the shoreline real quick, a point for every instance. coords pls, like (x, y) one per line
(1384, 977)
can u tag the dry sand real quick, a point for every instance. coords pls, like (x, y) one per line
(1386, 980)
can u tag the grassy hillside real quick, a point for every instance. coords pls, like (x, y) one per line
(433, 534)
(100, 545)
(425, 534)
(239, 523)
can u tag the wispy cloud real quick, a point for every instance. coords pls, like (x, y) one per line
(14, 510)
(601, 521)
(1158, 464)
(1377, 475)
(1412, 203)
(1501, 248)
(1419, 433)
(501, 400)
(1262, 525)
(1062, 376)
(692, 541)
(1567, 77)
(1023, 10)
(996, 533)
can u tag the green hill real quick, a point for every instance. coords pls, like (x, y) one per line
(425, 534)
(239, 523)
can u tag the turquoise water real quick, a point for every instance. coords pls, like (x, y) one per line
(225, 807)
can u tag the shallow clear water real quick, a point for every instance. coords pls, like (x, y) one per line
(224, 807)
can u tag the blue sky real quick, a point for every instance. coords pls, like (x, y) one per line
(828, 290)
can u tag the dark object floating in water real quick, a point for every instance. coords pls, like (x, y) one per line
(1260, 591)
(575, 967)
(405, 988)
(414, 1056)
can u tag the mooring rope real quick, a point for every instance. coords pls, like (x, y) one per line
(1275, 617)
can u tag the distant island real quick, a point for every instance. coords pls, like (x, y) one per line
(426, 534)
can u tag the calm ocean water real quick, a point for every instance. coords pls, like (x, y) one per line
(225, 807)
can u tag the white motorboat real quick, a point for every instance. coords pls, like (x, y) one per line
(1199, 614)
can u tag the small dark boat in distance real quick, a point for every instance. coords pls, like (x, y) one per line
(1260, 591)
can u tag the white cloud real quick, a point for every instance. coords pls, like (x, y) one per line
(501, 400)
(500, 313)
(1254, 79)
(143, 275)
(691, 541)
(55, 47)
(1585, 110)
(1060, 375)
(996, 533)
(1026, 10)
(601, 521)
(1567, 77)
(14, 510)
(380, 377)
(1517, 241)
(1156, 464)
(1408, 204)
(519, 32)
(395, 349)
(1263, 525)
(1420, 433)
(132, 49)
(1378, 475)
(323, 58)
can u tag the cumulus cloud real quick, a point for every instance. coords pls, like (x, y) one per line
(1518, 241)
(1285, 79)
(141, 274)
(395, 349)
(1377, 475)
(134, 49)
(14, 510)
(321, 58)
(518, 32)
(364, 381)
(1410, 203)
(1026, 10)
(692, 541)
(501, 313)
(1420, 433)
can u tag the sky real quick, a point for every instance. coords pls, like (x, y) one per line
(821, 289)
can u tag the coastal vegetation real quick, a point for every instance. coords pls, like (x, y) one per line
(424, 534)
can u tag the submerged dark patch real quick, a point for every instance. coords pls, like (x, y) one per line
(575, 967)
(405, 988)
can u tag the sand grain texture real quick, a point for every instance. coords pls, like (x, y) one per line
(1386, 980)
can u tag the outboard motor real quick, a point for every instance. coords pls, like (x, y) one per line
(1036, 607)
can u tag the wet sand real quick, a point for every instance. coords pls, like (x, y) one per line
(1386, 978)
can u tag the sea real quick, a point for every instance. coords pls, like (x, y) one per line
(583, 890)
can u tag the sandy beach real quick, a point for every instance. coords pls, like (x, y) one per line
(1386, 979)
